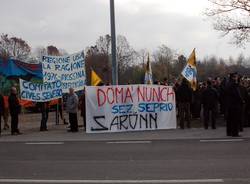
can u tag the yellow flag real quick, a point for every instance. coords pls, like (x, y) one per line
(95, 79)
(190, 71)
(192, 59)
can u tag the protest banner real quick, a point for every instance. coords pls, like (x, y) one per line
(40, 92)
(129, 108)
(69, 69)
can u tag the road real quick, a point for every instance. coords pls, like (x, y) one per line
(158, 161)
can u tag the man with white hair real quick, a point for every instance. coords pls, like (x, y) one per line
(71, 108)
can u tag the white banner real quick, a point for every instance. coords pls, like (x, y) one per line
(129, 108)
(40, 92)
(69, 69)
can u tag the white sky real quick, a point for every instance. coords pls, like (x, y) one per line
(76, 24)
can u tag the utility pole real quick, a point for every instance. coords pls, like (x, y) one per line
(113, 44)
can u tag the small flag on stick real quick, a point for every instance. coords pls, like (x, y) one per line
(148, 79)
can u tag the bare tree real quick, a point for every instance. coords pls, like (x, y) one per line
(14, 47)
(53, 51)
(231, 17)
(163, 57)
(143, 55)
(103, 44)
(125, 53)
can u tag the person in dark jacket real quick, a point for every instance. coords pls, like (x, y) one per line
(44, 108)
(243, 94)
(196, 103)
(81, 107)
(1, 110)
(184, 99)
(209, 101)
(234, 106)
(15, 109)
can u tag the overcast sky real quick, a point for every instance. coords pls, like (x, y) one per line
(75, 24)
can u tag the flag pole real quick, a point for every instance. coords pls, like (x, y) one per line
(113, 44)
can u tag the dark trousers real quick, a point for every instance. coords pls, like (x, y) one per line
(0, 123)
(73, 122)
(45, 116)
(184, 113)
(233, 120)
(84, 122)
(242, 118)
(14, 123)
(206, 112)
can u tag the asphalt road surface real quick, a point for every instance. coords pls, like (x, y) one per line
(168, 161)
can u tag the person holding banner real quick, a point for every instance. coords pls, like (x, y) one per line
(71, 108)
(15, 109)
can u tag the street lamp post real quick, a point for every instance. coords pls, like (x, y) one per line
(113, 44)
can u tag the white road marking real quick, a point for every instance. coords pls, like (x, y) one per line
(222, 140)
(130, 142)
(44, 143)
(111, 181)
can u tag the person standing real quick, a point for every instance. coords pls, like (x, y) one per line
(210, 98)
(1, 111)
(61, 109)
(243, 94)
(184, 99)
(82, 108)
(6, 113)
(71, 108)
(44, 107)
(234, 105)
(15, 109)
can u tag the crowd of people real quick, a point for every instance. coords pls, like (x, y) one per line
(73, 104)
(229, 97)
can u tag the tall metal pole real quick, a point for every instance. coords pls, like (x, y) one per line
(113, 44)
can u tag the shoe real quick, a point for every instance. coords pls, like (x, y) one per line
(64, 122)
(6, 127)
(16, 133)
(236, 136)
(43, 129)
